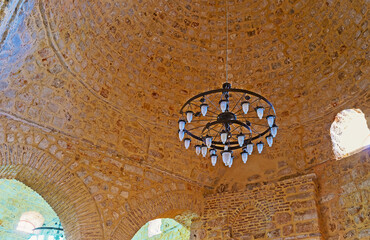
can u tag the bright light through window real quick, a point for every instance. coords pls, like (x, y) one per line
(30, 221)
(154, 227)
(349, 132)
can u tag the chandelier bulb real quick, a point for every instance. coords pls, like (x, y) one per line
(224, 135)
(187, 142)
(224, 105)
(189, 116)
(204, 109)
(181, 135)
(245, 106)
(226, 157)
(259, 111)
(270, 120)
(182, 124)
(231, 161)
(214, 159)
(197, 149)
(212, 151)
(269, 140)
(274, 129)
(244, 156)
(204, 150)
(249, 148)
(260, 146)
(208, 141)
(241, 138)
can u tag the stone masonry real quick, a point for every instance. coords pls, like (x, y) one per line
(89, 99)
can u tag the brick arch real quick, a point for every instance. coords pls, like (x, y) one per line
(263, 211)
(168, 205)
(60, 188)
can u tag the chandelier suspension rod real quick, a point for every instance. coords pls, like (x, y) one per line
(227, 39)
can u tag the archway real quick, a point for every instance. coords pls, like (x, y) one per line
(184, 207)
(22, 210)
(162, 229)
(64, 191)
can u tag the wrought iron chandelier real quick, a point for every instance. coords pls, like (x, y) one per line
(227, 119)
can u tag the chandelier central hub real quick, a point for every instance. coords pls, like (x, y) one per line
(226, 117)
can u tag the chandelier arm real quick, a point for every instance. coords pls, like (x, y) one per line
(261, 125)
(218, 132)
(215, 106)
(235, 128)
(236, 104)
(255, 130)
(201, 120)
(227, 90)
(249, 117)
(191, 129)
(223, 122)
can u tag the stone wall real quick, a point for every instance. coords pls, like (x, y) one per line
(334, 204)
(97, 193)
(285, 209)
(344, 190)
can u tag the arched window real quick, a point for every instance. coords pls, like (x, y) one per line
(349, 133)
(162, 228)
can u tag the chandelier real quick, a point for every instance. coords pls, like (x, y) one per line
(226, 120)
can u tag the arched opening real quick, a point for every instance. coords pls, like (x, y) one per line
(60, 188)
(163, 228)
(24, 214)
(349, 133)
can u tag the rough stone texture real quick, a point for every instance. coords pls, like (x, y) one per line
(344, 197)
(263, 213)
(96, 87)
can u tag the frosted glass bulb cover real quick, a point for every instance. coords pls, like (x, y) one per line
(223, 136)
(270, 120)
(223, 105)
(208, 141)
(241, 138)
(226, 156)
(260, 146)
(259, 111)
(181, 135)
(187, 142)
(231, 162)
(182, 124)
(212, 151)
(269, 140)
(245, 107)
(214, 159)
(274, 129)
(204, 150)
(189, 116)
(244, 156)
(204, 109)
(249, 148)
(197, 149)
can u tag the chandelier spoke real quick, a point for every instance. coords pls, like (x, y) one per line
(236, 104)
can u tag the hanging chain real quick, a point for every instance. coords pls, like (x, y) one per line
(227, 39)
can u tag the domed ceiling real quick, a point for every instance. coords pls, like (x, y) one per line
(116, 73)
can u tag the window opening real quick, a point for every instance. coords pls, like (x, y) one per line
(349, 133)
